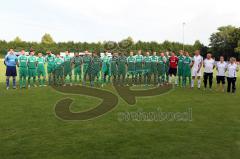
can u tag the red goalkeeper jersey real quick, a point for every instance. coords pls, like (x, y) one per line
(173, 61)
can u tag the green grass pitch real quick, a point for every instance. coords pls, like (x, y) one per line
(29, 128)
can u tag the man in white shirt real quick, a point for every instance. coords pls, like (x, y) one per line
(232, 69)
(208, 65)
(196, 68)
(221, 67)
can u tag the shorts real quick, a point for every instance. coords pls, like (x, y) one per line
(180, 72)
(172, 71)
(67, 71)
(220, 79)
(23, 71)
(77, 71)
(41, 72)
(59, 72)
(31, 72)
(50, 70)
(11, 71)
(195, 73)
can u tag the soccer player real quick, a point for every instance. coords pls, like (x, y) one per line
(232, 69)
(196, 69)
(167, 66)
(95, 66)
(180, 67)
(50, 59)
(187, 64)
(131, 68)
(67, 68)
(122, 62)
(11, 61)
(138, 67)
(154, 60)
(105, 68)
(23, 69)
(208, 65)
(114, 67)
(147, 69)
(59, 64)
(41, 70)
(173, 63)
(32, 69)
(161, 69)
(77, 61)
(86, 67)
(221, 69)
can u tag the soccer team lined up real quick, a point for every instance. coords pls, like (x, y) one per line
(136, 69)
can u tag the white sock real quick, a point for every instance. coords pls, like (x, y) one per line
(192, 83)
(199, 83)
(176, 80)
(170, 79)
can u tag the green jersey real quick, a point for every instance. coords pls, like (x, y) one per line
(58, 62)
(154, 60)
(180, 61)
(22, 60)
(114, 63)
(162, 64)
(122, 61)
(131, 63)
(95, 64)
(67, 61)
(77, 60)
(105, 63)
(147, 63)
(50, 59)
(86, 60)
(32, 61)
(40, 62)
(139, 62)
(186, 66)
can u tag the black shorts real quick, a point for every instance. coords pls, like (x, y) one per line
(172, 71)
(11, 71)
(220, 79)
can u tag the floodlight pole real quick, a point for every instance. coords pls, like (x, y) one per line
(183, 25)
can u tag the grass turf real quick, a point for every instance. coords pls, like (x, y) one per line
(30, 129)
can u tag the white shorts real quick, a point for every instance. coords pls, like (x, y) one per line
(195, 74)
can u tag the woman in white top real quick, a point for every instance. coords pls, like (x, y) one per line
(232, 69)
(221, 67)
(208, 65)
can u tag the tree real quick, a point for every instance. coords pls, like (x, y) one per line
(225, 41)
(47, 39)
(17, 40)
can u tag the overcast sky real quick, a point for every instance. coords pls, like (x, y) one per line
(99, 20)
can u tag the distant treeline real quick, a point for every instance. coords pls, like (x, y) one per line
(225, 42)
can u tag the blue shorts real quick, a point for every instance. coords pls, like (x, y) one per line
(11, 71)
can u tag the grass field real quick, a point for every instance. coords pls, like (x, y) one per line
(29, 128)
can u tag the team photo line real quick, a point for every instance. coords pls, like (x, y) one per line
(117, 68)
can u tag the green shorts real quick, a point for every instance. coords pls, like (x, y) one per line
(77, 71)
(32, 72)
(41, 72)
(23, 71)
(180, 72)
(50, 69)
(67, 71)
(59, 72)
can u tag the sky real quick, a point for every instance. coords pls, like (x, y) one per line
(99, 20)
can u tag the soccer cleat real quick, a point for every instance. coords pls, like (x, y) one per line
(7, 88)
(14, 87)
(29, 86)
